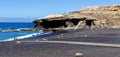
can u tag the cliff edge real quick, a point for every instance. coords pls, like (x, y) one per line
(102, 16)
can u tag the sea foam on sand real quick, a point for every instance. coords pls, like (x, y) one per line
(28, 36)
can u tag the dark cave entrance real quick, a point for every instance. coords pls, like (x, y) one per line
(75, 21)
(60, 23)
(53, 24)
(89, 22)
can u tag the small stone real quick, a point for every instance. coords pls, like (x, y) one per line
(36, 40)
(85, 35)
(44, 39)
(18, 42)
(79, 55)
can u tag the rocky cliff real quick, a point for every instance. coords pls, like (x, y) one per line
(108, 14)
(112, 11)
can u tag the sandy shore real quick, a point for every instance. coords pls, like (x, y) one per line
(40, 49)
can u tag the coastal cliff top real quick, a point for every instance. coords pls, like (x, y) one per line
(104, 8)
(89, 12)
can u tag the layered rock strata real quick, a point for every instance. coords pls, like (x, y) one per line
(100, 16)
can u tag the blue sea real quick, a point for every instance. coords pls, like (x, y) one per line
(7, 35)
(16, 24)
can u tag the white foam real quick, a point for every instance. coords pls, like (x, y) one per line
(28, 36)
(9, 30)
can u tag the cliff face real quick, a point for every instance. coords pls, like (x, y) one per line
(110, 13)
(107, 16)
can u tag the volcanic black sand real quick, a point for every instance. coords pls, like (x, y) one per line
(39, 49)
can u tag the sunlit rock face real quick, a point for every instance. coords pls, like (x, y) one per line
(102, 16)
(111, 13)
(54, 15)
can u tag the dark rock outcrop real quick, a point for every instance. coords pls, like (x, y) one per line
(101, 16)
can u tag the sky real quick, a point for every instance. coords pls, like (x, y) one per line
(24, 9)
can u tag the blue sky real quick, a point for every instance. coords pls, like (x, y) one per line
(40, 8)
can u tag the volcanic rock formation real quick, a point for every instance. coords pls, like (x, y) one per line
(100, 16)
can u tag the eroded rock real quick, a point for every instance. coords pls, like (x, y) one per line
(101, 16)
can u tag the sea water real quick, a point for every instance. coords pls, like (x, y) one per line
(10, 35)
(16, 24)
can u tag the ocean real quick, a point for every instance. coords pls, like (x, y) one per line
(16, 24)
(6, 34)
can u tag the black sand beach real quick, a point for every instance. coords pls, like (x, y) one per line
(40, 49)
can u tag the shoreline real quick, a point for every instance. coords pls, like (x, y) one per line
(66, 45)
(51, 33)
(29, 36)
(43, 33)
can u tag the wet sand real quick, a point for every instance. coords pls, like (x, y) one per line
(38, 49)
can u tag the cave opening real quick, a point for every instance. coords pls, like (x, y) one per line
(75, 21)
(89, 23)
(54, 24)
(60, 23)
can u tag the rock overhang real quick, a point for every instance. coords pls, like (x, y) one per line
(111, 13)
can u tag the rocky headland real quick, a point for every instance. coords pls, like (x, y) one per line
(100, 42)
(102, 16)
